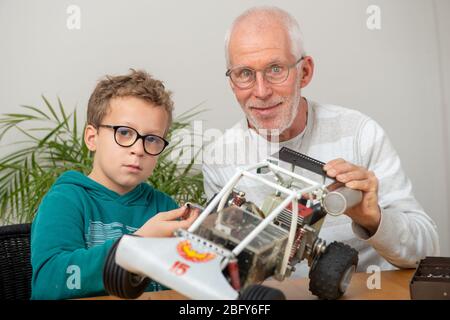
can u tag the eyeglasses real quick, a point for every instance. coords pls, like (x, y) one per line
(244, 77)
(126, 137)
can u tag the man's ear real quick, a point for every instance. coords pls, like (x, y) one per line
(90, 137)
(307, 71)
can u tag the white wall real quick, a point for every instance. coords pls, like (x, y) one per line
(399, 75)
(442, 11)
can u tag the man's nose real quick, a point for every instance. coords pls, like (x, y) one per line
(262, 88)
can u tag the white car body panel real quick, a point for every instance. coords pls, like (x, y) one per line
(160, 259)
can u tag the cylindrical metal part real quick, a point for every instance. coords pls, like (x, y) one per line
(340, 200)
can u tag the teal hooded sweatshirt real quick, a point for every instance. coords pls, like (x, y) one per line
(76, 224)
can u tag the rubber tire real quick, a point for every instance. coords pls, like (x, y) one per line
(260, 292)
(326, 276)
(120, 282)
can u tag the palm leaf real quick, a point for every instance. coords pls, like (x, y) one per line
(28, 172)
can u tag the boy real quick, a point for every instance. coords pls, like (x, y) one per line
(81, 217)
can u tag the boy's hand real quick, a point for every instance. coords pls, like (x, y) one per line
(164, 224)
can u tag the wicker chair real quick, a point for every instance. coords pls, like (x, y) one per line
(15, 264)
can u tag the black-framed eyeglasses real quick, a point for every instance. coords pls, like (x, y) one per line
(276, 73)
(127, 136)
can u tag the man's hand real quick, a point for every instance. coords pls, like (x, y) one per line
(367, 213)
(164, 224)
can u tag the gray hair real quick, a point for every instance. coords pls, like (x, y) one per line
(288, 21)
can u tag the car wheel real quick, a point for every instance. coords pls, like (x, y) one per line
(333, 271)
(260, 292)
(118, 281)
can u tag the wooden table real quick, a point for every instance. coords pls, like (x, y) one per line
(394, 286)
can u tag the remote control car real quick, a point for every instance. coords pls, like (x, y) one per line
(234, 244)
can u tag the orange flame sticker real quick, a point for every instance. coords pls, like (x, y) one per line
(185, 250)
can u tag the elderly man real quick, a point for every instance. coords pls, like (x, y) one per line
(267, 69)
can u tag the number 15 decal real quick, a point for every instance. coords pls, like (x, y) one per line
(179, 268)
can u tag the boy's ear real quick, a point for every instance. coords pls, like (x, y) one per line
(90, 137)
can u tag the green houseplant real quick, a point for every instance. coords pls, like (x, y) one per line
(52, 142)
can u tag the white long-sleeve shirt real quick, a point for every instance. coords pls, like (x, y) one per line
(406, 234)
